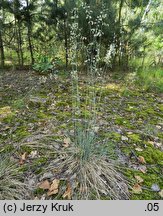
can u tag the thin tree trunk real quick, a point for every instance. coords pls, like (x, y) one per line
(66, 42)
(30, 44)
(20, 44)
(119, 32)
(29, 33)
(2, 51)
(17, 41)
(1, 38)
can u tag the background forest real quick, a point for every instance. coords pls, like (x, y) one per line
(81, 92)
(32, 30)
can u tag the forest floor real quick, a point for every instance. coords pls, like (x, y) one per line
(35, 108)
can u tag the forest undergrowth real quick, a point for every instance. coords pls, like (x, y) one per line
(36, 135)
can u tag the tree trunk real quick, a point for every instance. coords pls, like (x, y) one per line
(30, 44)
(66, 42)
(17, 43)
(2, 51)
(118, 46)
(1, 37)
(20, 44)
(29, 33)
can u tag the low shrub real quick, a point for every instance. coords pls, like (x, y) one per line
(44, 65)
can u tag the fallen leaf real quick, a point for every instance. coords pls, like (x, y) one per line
(23, 158)
(66, 142)
(139, 149)
(137, 189)
(139, 179)
(44, 185)
(161, 193)
(53, 187)
(53, 192)
(141, 160)
(68, 192)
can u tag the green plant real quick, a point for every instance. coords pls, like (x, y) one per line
(44, 64)
(97, 176)
(151, 79)
(81, 162)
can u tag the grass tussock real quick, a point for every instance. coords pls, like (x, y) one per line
(94, 178)
(92, 175)
(11, 187)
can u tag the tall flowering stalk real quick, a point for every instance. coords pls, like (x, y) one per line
(95, 175)
(83, 134)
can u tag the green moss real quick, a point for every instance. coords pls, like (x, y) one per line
(9, 119)
(62, 115)
(123, 121)
(160, 135)
(142, 115)
(160, 114)
(150, 110)
(86, 114)
(160, 106)
(42, 93)
(151, 177)
(43, 115)
(131, 109)
(126, 150)
(126, 92)
(61, 104)
(113, 136)
(134, 137)
(105, 92)
(119, 120)
(146, 195)
(5, 111)
(152, 155)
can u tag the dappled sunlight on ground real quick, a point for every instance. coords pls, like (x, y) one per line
(129, 121)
